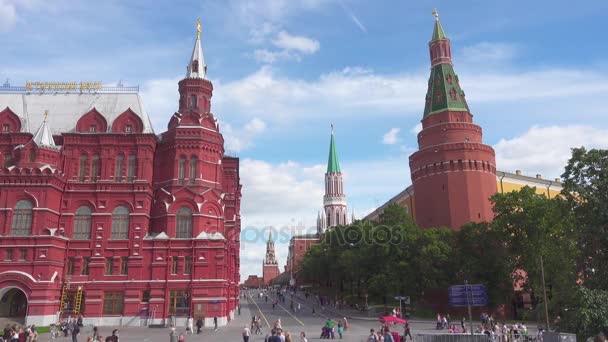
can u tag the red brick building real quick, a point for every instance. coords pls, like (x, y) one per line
(254, 281)
(105, 218)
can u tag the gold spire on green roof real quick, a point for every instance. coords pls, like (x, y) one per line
(438, 30)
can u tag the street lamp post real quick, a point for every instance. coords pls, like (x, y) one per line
(542, 272)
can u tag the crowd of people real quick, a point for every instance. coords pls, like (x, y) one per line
(17, 333)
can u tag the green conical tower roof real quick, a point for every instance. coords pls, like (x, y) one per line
(333, 166)
(437, 30)
(444, 92)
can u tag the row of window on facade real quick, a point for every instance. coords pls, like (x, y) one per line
(179, 302)
(22, 222)
(94, 172)
(124, 266)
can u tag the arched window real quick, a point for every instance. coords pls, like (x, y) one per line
(95, 168)
(193, 101)
(183, 227)
(132, 167)
(82, 172)
(82, 223)
(337, 219)
(120, 223)
(193, 161)
(181, 172)
(328, 220)
(119, 163)
(22, 219)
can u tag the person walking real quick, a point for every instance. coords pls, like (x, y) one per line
(215, 323)
(340, 329)
(75, 333)
(246, 334)
(199, 325)
(303, 337)
(190, 325)
(173, 337)
(407, 332)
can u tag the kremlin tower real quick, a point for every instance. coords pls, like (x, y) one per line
(453, 172)
(271, 266)
(334, 201)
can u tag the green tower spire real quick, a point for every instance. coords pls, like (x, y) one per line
(437, 30)
(444, 92)
(333, 166)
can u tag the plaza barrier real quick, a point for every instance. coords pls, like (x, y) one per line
(550, 336)
(451, 338)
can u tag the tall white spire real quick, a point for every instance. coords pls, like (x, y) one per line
(197, 67)
(43, 136)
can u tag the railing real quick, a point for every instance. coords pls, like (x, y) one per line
(104, 89)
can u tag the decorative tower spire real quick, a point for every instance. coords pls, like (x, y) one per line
(270, 258)
(270, 266)
(453, 172)
(444, 92)
(197, 67)
(334, 201)
(43, 136)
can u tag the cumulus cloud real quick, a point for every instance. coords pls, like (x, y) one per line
(391, 137)
(416, 129)
(546, 150)
(290, 48)
(8, 15)
(237, 139)
(297, 43)
(487, 52)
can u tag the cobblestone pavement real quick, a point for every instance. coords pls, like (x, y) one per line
(294, 322)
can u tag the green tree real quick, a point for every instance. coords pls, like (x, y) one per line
(586, 191)
(529, 225)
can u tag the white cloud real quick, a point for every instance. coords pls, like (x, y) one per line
(270, 57)
(280, 194)
(546, 150)
(8, 15)
(238, 139)
(416, 129)
(391, 137)
(291, 48)
(488, 52)
(302, 44)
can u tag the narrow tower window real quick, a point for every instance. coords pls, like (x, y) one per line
(22, 218)
(181, 171)
(193, 161)
(82, 223)
(183, 225)
(94, 168)
(132, 167)
(82, 173)
(119, 164)
(193, 101)
(120, 223)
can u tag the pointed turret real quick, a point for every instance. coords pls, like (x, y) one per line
(43, 136)
(334, 201)
(333, 166)
(197, 67)
(444, 92)
(437, 30)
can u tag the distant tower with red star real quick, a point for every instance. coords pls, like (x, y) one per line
(271, 266)
(453, 172)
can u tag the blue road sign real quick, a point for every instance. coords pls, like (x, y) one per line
(464, 295)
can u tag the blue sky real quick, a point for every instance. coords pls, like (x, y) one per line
(535, 75)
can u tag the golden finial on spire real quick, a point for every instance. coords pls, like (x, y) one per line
(436, 14)
(46, 115)
(198, 29)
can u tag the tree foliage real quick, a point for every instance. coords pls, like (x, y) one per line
(569, 232)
